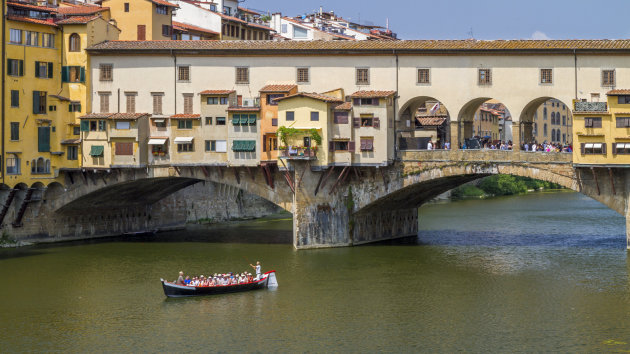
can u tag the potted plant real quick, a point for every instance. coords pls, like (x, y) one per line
(162, 153)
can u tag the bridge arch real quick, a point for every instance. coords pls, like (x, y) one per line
(555, 116)
(433, 123)
(470, 125)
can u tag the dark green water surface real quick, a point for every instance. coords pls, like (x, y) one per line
(544, 272)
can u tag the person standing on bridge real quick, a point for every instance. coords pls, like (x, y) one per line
(257, 267)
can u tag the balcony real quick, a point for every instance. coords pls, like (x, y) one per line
(299, 153)
(591, 107)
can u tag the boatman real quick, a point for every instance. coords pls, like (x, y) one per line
(180, 279)
(257, 268)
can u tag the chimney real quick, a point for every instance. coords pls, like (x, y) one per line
(276, 22)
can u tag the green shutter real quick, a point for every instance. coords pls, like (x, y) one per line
(102, 125)
(36, 102)
(236, 119)
(85, 126)
(9, 66)
(243, 119)
(65, 74)
(252, 119)
(97, 150)
(82, 76)
(36, 69)
(43, 139)
(21, 67)
(50, 70)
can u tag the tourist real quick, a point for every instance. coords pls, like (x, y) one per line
(447, 146)
(187, 280)
(429, 145)
(257, 268)
(180, 279)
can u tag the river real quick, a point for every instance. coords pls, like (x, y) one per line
(534, 273)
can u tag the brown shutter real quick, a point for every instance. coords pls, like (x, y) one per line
(356, 101)
(356, 122)
(375, 101)
(582, 148)
(351, 146)
(264, 143)
(614, 148)
(239, 100)
(604, 148)
(331, 146)
(371, 144)
(376, 123)
(142, 32)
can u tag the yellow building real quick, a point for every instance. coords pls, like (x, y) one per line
(142, 19)
(601, 130)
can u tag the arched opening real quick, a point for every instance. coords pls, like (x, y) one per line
(424, 124)
(74, 43)
(485, 123)
(554, 117)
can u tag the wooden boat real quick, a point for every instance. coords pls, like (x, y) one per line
(267, 280)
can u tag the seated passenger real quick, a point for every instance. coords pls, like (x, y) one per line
(187, 280)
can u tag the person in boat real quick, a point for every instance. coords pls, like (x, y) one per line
(180, 279)
(187, 280)
(257, 267)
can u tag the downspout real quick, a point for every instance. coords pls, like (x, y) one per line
(575, 72)
(2, 100)
(118, 101)
(396, 109)
(174, 82)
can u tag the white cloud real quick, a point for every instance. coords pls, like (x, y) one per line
(539, 35)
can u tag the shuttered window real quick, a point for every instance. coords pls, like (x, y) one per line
(157, 103)
(39, 102)
(367, 144)
(15, 67)
(106, 72)
(242, 75)
(131, 102)
(623, 122)
(593, 148)
(303, 76)
(124, 149)
(485, 76)
(363, 76)
(290, 115)
(188, 103)
(43, 139)
(183, 73)
(340, 118)
(593, 122)
(104, 102)
(314, 116)
(15, 131)
(15, 98)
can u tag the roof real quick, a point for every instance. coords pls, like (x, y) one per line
(96, 116)
(248, 10)
(77, 20)
(316, 96)
(31, 20)
(118, 116)
(346, 106)
(216, 92)
(375, 46)
(186, 116)
(186, 27)
(618, 92)
(431, 121)
(278, 88)
(81, 10)
(163, 3)
(372, 94)
(32, 7)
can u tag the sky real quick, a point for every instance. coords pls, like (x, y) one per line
(488, 19)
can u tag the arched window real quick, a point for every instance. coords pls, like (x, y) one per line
(553, 135)
(75, 43)
(535, 132)
(33, 166)
(564, 120)
(553, 117)
(41, 165)
(545, 113)
(48, 165)
(545, 129)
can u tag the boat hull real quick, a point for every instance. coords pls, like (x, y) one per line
(174, 290)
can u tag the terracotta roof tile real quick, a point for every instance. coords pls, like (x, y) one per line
(431, 121)
(186, 116)
(380, 46)
(128, 116)
(618, 92)
(81, 10)
(372, 94)
(96, 116)
(278, 88)
(32, 20)
(346, 106)
(77, 20)
(216, 92)
(244, 9)
(164, 3)
(187, 27)
(243, 109)
(313, 95)
(32, 7)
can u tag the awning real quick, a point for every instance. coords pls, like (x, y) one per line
(597, 146)
(252, 120)
(97, 150)
(244, 119)
(236, 120)
(183, 140)
(160, 141)
(244, 145)
(161, 120)
(588, 146)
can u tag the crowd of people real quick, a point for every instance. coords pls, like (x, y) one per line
(546, 147)
(220, 279)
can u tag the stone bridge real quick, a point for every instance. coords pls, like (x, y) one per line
(340, 206)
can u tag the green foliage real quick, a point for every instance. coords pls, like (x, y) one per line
(315, 136)
(265, 18)
(467, 191)
(503, 185)
(284, 133)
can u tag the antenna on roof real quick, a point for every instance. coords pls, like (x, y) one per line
(471, 33)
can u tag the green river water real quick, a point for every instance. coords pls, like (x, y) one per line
(543, 272)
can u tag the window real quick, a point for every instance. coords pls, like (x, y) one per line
(130, 98)
(126, 7)
(221, 145)
(423, 76)
(340, 145)
(161, 9)
(188, 103)
(553, 117)
(274, 122)
(593, 148)
(48, 40)
(284, 28)
(43, 139)
(160, 124)
(72, 152)
(123, 125)
(74, 107)
(595, 122)
(608, 77)
(212, 100)
(545, 129)
(220, 121)
(43, 70)
(564, 120)
(13, 165)
(208, 120)
(303, 76)
(76, 130)
(102, 125)
(15, 67)
(157, 103)
(340, 118)
(485, 77)
(223, 100)
(272, 97)
(74, 44)
(15, 36)
(623, 99)
(314, 116)
(183, 73)
(166, 30)
(623, 122)
(290, 115)
(15, 98)
(15, 131)
(32, 38)
(184, 124)
(211, 145)
(39, 102)
(242, 75)
(363, 76)
(93, 125)
(366, 120)
(106, 72)
(73, 74)
(124, 149)
(185, 147)
(367, 144)
(104, 101)
(300, 33)
(546, 76)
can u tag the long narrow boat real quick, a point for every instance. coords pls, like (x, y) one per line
(267, 280)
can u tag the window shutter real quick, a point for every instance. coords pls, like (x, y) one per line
(356, 101)
(614, 148)
(9, 62)
(356, 122)
(375, 101)
(85, 126)
(21, 67)
(370, 144)
(351, 146)
(264, 142)
(50, 70)
(36, 69)
(582, 148)
(604, 148)
(82, 77)
(376, 122)
(43, 139)
(331, 146)
(35, 102)
(363, 144)
(65, 74)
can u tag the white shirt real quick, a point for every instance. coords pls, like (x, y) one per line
(429, 146)
(258, 269)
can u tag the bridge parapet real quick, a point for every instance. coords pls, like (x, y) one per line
(494, 156)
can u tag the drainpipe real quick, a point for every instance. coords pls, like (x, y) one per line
(2, 99)
(118, 100)
(575, 72)
(174, 82)
(395, 103)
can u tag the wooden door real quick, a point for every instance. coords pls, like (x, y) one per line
(142, 32)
